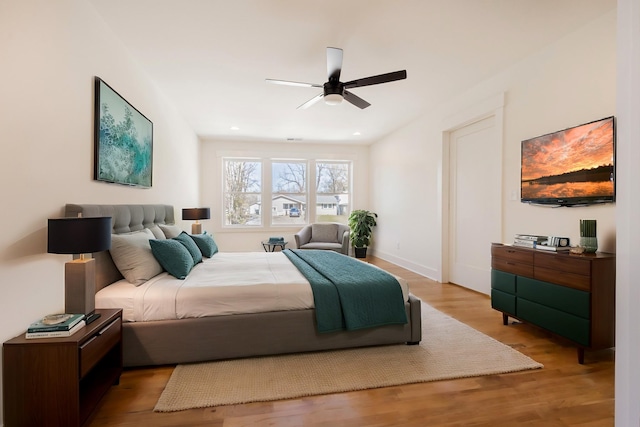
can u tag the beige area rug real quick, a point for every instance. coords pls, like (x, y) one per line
(449, 349)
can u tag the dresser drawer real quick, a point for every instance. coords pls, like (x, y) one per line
(563, 263)
(505, 282)
(509, 266)
(511, 253)
(563, 278)
(94, 349)
(561, 298)
(567, 325)
(503, 302)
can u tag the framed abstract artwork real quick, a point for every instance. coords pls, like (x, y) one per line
(123, 151)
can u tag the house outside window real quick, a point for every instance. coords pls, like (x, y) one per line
(332, 191)
(289, 192)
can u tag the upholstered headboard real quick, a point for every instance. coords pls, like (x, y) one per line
(124, 219)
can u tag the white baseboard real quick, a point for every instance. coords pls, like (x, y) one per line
(429, 272)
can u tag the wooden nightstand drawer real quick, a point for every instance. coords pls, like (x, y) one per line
(94, 349)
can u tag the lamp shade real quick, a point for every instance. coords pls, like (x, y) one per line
(79, 235)
(196, 213)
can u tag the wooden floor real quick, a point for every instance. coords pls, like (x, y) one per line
(563, 393)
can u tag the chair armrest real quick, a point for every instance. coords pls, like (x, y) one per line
(345, 243)
(303, 236)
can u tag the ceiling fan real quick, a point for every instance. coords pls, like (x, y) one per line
(334, 91)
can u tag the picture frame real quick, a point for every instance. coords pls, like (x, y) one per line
(123, 140)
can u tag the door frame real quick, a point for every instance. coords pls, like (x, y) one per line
(493, 106)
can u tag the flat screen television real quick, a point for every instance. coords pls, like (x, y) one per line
(571, 167)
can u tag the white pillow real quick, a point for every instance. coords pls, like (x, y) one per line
(170, 231)
(131, 253)
(157, 232)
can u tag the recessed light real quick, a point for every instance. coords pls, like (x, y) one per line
(357, 134)
(235, 128)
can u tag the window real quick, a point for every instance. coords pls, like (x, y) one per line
(242, 192)
(332, 191)
(289, 192)
(261, 192)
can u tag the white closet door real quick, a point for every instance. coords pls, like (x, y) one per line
(475, 207)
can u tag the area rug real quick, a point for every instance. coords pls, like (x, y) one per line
(449, 349)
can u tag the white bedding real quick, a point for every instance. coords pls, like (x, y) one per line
(227, 283)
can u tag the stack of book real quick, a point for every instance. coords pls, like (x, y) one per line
(276, 240)
(529, 240)
(545, 243)
(56, 326)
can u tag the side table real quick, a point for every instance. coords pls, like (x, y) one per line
(59, 381)
(271, 246)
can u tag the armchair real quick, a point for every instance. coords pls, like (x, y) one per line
(324, 235)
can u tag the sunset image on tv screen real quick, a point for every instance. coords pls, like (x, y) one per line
(576, 162)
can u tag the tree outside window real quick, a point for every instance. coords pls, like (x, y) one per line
(242, 194)
(289, 192)
(332, 191)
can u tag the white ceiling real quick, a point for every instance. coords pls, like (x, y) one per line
(211, 57)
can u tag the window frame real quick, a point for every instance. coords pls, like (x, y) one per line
(267, 194)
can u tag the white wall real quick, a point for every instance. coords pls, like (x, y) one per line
(237, 240)
(570, 82)
(51, 51)
(627, 381)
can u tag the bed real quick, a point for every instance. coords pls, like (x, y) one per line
(149, 339)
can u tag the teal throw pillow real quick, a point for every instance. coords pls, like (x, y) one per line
(206, 244)
(172, 256)
(191, 246)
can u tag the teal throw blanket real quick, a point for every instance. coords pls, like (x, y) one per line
(349, 294)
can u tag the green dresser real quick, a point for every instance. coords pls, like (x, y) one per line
(572, 296)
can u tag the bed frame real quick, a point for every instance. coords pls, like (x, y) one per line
(224, 337)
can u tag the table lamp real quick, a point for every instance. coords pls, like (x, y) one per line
(79, 236)
(196, 214)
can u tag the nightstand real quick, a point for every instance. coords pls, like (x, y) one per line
(59, 381)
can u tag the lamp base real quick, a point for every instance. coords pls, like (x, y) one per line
(80, 286)
(196, 228)
(91, 317)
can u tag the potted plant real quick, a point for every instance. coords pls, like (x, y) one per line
(361, 223)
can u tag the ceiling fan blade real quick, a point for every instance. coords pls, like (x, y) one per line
(374, 80)
(288, 83)
(312, 101)
(334, 63)
(355, 100)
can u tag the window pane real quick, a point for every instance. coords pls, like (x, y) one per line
(289, 193)
(243, 184)
(332, 178)
(289, 177)
(332, 191)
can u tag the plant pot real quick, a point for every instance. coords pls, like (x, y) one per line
(360, 252)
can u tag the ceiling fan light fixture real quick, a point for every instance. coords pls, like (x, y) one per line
(333, 99)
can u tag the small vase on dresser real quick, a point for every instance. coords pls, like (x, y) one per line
(588, 239)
